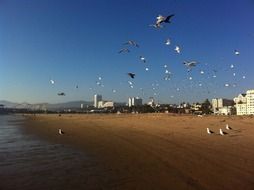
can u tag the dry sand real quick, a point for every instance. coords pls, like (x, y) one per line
(159, 151)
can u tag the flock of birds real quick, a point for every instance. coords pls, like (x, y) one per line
(206, 81)
(190, 64)
(221, 132)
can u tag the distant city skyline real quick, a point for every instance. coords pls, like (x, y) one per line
(76, 43)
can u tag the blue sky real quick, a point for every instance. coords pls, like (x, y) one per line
(75, 42)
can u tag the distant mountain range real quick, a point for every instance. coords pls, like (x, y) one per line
(43, 106)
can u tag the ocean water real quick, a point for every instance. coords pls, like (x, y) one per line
(29, 162)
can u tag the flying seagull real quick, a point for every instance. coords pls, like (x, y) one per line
(177, 49)
(190, 64)
(132, 75)
(168, 42)
(142, 58)
(61, 94)
(52, 81)
(237, 52)
(161, 19)
(131, 42)
(124, 50)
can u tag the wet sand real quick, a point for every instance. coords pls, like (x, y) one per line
(158, 151)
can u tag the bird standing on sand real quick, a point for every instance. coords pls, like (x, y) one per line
(209, 131)
(227, 127)
(221, 132)
(60, 132)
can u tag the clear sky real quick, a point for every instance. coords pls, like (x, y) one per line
(76, 42)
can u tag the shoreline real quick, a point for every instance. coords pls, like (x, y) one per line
(158, 151)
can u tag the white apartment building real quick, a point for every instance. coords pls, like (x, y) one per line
(250, 102)
(245, 103)
(97, 98)
(134, 101)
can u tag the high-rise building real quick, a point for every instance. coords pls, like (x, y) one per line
(97, 98)
(135, 101)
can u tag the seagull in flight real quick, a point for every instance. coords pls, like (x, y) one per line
(124, 50)
(190, 64)
(52, 81)
(142, 58)
(131, 42)
(237, 52)
(132, 75)
(61, 94)
(177, 49)
(161, 19)
(168, 42)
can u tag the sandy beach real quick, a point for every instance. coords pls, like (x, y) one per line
(158, 151)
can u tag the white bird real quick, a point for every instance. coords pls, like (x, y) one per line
(130, 83)
(52, 81)
(142, 58)
(161, 19)
(221, 132)
(177, 49)
(227, 127)
(231, 66)
(168, 42)
(209, 131)
(237, 52)
(147, 69)
(226, 85)
(60, 132)
(202, 72)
